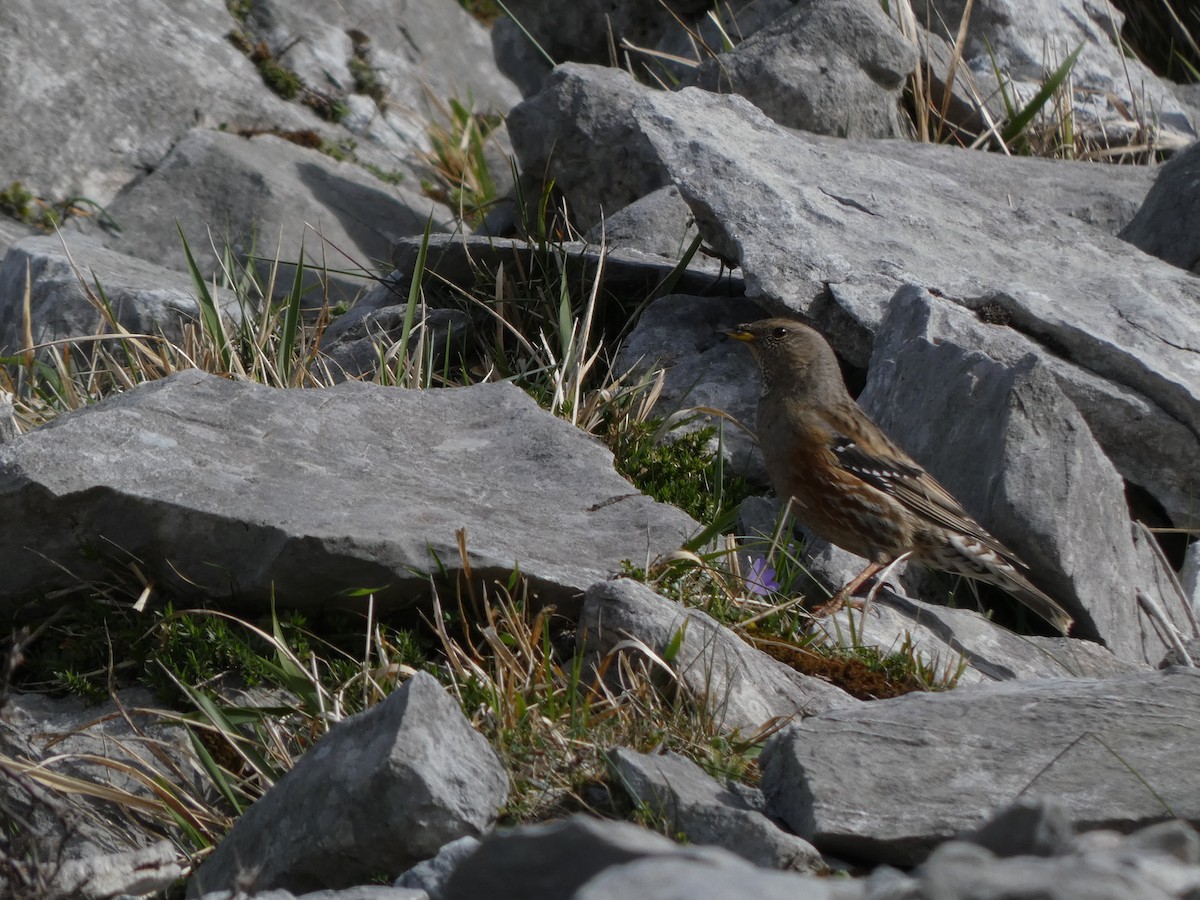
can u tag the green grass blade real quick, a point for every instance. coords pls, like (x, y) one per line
(1021, 121)
(414, 294)
(291, 322)
(210, 314)
(215, 773)
(540, 49)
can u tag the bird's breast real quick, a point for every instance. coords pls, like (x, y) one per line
(828, 499)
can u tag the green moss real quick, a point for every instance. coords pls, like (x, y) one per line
(281, 80)
(388, 176)
(366, 77)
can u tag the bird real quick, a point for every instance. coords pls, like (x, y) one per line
(852, 485)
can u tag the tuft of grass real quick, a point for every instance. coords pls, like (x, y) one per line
(283, 81)
(259, 694)
(863, 670)
(462, 178)
(19, 203)
(1042, 124)
(551, 714)
(366, 77)
(387, 176)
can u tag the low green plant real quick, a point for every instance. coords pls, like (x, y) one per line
(366, 78)
(17, 202)
(285, 82)
(681, 469)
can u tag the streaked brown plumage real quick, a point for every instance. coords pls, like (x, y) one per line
(851, 484)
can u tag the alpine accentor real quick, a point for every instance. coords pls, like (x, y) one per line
(852, 485)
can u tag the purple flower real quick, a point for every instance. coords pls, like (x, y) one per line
(761, 579)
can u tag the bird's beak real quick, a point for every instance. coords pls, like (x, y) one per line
(741, 333)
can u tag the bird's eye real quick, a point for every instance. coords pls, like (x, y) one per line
(779, 333)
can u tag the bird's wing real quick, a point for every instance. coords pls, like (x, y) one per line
(875, 460)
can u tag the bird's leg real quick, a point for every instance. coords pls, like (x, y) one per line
(838, 600)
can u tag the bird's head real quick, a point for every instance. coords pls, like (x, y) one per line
(791, 355)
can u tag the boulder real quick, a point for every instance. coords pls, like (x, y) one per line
(890, 780)
(68, 277)
(410, 772)
(240, 493)
(828, 66)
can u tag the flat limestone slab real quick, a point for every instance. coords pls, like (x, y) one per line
(226, 489)
(891, 780)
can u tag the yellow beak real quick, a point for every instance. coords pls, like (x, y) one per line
(741, 333)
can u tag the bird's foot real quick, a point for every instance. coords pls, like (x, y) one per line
(837, 602)
(843, 597)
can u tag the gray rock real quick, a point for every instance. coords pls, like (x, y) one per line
(410, 773)
(695, 805)
(700, 40)
(1027, 828)
(1189, 657)
(822, 240)
(1107, 84)
(1155, 863)
(554, 859)
(518, 58)
(1104, 197)
(679, 879)
(361, 892)
(430, 876)
(1189, 576)
(68, 737)
(128, 873)
(12, 231)
(1115, 356)
(943, 638)
(8, 421)
(1168, 223)
(830, 66)
(1166, 856)
(356, 342)
(1107, 750)
(241, 492)
(584, 31)
(265, 197)
(965, 870)
(571, 129)
(742, 687)
(188, 75)
(658, 223)
(417, 51)
(146, 298)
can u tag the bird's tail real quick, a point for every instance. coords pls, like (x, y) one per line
(1032, 597)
